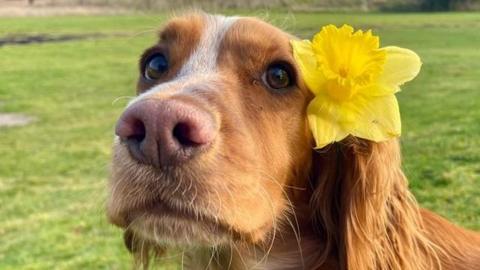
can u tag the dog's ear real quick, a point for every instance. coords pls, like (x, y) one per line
(363, 210)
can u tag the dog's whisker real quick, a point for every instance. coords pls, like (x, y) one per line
(121, 98)
(274, 230)
(240, 256)
(296, 229)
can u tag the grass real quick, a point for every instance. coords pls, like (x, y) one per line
(53, 172)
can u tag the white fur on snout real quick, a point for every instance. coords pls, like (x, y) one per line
(200, 70)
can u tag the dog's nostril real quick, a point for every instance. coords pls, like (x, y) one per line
(133, 132)
(138, 131)
(130, 128)
(182, 133)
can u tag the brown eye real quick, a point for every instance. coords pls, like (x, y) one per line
(278, 76)
(155, 67)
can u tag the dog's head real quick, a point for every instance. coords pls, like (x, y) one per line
(216, 149)
(218, 128)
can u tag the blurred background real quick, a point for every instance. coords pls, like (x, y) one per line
(298, 5)
(68, 68)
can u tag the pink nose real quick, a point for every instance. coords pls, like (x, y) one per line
(165, 132)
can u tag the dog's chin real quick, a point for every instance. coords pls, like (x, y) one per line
(166, 226)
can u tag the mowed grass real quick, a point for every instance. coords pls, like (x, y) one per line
(53, 172)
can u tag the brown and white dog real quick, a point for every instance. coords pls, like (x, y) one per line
(214, 156)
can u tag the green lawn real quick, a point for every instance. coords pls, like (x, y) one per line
(53, 172)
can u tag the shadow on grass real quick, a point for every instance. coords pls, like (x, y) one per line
(46, 38)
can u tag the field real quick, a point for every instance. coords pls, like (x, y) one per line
(53, 171)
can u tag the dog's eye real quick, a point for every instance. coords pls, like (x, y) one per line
(155, 67)
(278, 76)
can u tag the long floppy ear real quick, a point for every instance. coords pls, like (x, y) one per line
(364, 211)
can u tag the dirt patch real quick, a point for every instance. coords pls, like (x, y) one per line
(14, 119)
(28, 39)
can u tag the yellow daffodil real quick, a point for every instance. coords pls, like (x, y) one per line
(354, 82)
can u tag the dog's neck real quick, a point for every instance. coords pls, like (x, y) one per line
(283, 256)
(294, 247)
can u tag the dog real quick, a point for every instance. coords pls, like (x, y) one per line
(214, 157)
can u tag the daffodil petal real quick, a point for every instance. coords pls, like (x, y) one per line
(307, 62)
(378, 89)
(378, 118)
(324, 128)
(401, 66)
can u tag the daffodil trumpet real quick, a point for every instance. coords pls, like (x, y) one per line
(354, 82)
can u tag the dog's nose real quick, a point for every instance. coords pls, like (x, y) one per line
(165, 132)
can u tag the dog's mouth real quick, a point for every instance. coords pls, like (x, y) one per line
(164, 204)
(171, 206)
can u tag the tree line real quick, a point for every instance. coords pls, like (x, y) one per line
(366, 5)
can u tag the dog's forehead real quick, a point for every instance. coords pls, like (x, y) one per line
(204, 56)
(205, 37)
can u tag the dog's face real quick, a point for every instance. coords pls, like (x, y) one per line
(218, 130)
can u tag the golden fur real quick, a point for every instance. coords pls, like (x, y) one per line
(260, 197)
